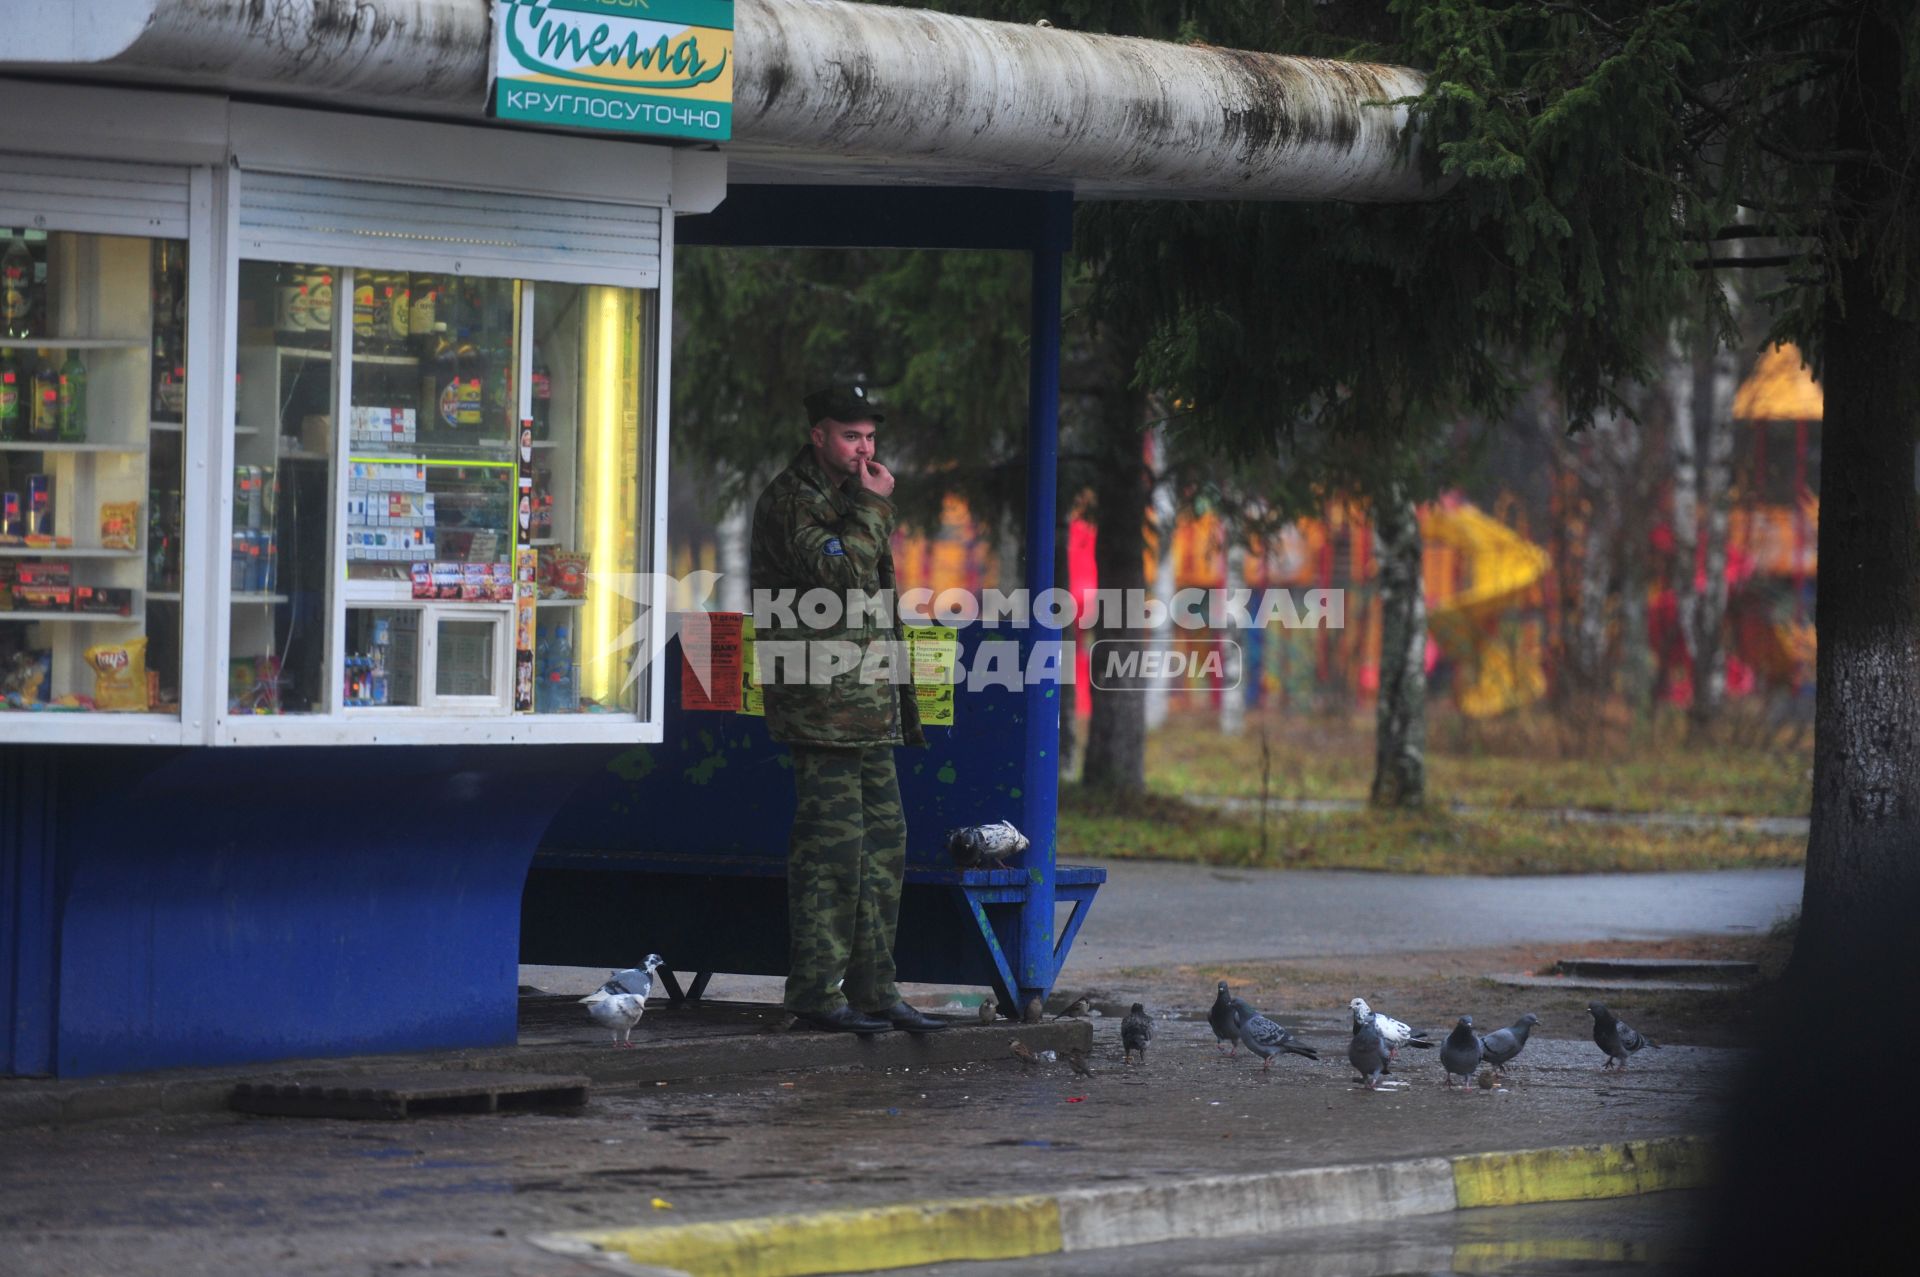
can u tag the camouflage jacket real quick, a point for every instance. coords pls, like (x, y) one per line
(810, 533)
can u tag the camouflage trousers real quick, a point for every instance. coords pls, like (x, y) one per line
(844, 869)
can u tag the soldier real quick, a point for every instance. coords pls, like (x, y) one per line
(824, 523)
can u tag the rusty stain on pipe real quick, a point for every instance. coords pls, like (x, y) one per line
(829, 90)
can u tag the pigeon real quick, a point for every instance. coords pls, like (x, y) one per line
(1460, 1053)
(1615, 1036)
(1500, 1046)
(1367, 1052)
(1078, 1059)
(622, 1000)
(1393, 1033)
(1226, 1028)
(989, 1009)
(1023, 1053)
(1265, 1038)
(1135, 1032)
(977, 845)
(1078, 1007)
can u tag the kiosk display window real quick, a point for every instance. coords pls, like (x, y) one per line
(92, 408)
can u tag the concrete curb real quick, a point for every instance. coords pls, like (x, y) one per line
(40, 1102)
(1021, 1227)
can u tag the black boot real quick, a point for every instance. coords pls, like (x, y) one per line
(905, 1018)
(842, 1019)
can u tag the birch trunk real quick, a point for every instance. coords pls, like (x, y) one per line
(1400, 712)
(1233, 695)
(1710, 609)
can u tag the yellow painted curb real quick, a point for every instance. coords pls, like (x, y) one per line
(846, 1241)
(1583, 1173)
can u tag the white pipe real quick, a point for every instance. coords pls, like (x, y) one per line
(823, 87)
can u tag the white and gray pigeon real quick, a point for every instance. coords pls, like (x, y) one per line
(1614, 1036)
(1460, 1053)
(1500, 1046)
(1394, 1034)
(1265, 1038)
(622, 1000)
(1367, 1052)
(1220, 1018)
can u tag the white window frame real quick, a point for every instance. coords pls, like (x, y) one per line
(217, 141)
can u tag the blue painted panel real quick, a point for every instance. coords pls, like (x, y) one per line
(225, 906)
(720, 786)
(28, 912)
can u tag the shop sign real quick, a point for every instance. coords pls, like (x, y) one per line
(661, 67)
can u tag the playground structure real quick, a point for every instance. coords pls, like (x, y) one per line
(1492, 602)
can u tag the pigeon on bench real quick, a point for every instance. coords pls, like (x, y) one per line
(622, 1000)
(1500, 1046)
(1265, 1038)
(1135, 1032)
(1460, 1053)
(1615, 1036)
(1394, 1034)
(1223, 1022)
(989, 845)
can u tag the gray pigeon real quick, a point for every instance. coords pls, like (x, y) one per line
(1460, 1053)
(1368, 1054)
(1614, 1036)
(1265, 1038)
(1226, 1027)
(622, 1000)
(1499, 1047)
(1135, 1032)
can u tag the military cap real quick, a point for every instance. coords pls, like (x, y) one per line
(840, 403)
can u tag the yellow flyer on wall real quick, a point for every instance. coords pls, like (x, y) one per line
(934, 651)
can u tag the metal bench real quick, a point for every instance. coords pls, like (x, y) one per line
(706, 913)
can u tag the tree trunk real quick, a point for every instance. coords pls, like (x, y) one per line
(1116, 747)
(1683, 386)
(1233, 691)
(1716, 487)
(731, 559)
(1400, 712)
(1863, 850)
(1165, 519)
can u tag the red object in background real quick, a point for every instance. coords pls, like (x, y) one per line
(1083, 578)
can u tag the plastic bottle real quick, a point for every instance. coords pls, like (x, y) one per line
(560, 680)
(363, 321)
(542, 395)
(423, 296)
(16, 289)
(439, 383)
(470, 410)
(44, 424)
(73, 399)
(11, 416)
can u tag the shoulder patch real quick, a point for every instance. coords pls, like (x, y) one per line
(834, 547)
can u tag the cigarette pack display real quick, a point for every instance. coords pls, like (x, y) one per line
(111, 600)
(36, 572)
(43, 598)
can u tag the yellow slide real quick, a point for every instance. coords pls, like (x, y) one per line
(1500, 665)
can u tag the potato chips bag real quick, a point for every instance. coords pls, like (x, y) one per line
(119, 525)
(119, 674)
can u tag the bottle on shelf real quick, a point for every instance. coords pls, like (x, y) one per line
(556, 692)
(43, 426)
(169, 378)
(16, 289)
(363, 307)
(423, 292)
(439, 382)
(317, 283)
(72, 380)
(289, 305)
(12, 415)
(394, 311)
(471, 366)
(542, 394)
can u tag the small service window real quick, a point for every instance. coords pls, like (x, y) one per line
(92, 442)
(439, 494)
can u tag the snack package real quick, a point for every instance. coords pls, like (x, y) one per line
(119, 525)
(119, 674)
(26, 677)
(570, 574)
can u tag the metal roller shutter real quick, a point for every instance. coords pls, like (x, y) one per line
(97, 197)
(286, 217)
